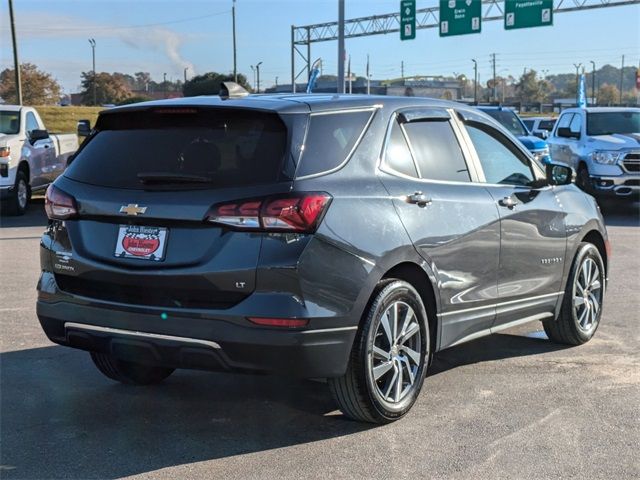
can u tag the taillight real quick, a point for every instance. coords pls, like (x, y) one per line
(58, 204)
(298, 212)
(5, 152)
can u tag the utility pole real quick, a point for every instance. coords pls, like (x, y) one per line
(475, 81)
(185, 74)
(92, 42)
(349, 73)
(258, 70)
(621, 78)
(233, 20)
(340, 86)
(402, 69)
(16, 63)
(493, 60)
(276, 81)
(368, 77)
(593, 82)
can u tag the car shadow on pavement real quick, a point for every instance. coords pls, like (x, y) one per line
(61, 418)
(489, 348)
(35, 216)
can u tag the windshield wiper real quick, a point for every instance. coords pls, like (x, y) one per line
(167, 177)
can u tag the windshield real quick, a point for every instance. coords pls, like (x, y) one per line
(509, 120)
(186, 148)
(9, 122)
(606, 123)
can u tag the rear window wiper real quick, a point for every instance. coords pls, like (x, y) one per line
(168, 177)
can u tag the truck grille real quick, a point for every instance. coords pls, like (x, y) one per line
(149, 295)
(631, 162)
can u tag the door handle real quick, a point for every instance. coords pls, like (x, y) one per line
(419, 199)
(508, 202)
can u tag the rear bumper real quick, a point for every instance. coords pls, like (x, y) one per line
(196, 342)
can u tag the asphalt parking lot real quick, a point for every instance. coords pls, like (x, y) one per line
(508, 406)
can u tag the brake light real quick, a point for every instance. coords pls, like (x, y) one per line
(5, 152)
(292, 213)
(58, 204)
(280, 322)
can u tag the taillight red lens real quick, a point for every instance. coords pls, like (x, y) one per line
(280, 322)
(58, 204)
(299, 212)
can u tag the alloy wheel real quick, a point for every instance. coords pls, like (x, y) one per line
(22, 194)
(396, 353)
(587, 294)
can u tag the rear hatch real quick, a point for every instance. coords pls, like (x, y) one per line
(144, 185)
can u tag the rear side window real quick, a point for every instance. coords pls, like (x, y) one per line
(331, 137)
(397, 155)
(437, 151)
(546, 125)
(576, 124)
(186, 148)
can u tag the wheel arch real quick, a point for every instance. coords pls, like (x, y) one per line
(23, 166)
(595, 237)
(417, 276)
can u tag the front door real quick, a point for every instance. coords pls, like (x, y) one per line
(453, 222)
(532, 226)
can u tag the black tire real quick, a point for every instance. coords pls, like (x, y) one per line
(17, 203)
(569, 328)
(358, 394)
(130, 373)
(583, 180)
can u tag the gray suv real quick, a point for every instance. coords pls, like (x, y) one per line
(322, 236)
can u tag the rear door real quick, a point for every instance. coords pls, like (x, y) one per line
(532, 228)
(453, 222)
(145, 184)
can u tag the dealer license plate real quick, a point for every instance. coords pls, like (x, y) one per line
(143, 243)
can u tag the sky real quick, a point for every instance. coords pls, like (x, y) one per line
(166, 36)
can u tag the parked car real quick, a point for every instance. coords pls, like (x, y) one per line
(30, 157)
(539, 126)
(603, 145)
(322, 236)
(512, 122)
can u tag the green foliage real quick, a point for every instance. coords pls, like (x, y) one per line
(135, 99)
(110, 88)
(608, 94)
(209, 84)
(38, 87)
(530, 89)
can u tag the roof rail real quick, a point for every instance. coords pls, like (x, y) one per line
(231, 90)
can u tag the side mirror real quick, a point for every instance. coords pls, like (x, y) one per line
(559, 173)
(566, 132)
(36, 135)
(84, 128)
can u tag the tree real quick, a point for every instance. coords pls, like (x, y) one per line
(109, 88)
(209, 84)
(38, 87)
(531, 90)
(608, 94)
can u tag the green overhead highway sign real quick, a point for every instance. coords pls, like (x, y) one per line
(527, 13)
(459, 17)
(407, 19)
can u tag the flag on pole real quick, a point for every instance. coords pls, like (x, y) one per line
(582, 96)
(315, 72)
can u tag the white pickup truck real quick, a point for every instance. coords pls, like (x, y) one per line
(30, 157)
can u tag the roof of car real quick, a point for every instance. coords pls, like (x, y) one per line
(494, 107)
(10, 108)
(603, 109)
(293, 103)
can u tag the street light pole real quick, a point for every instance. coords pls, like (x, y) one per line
(16, 63)
(164, 84)
(92, 42)
(258, 70)
(233, 18)
(185, 74)
(475, 80)
(593, 82)
(340, 86)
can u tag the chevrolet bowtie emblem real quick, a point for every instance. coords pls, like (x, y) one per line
(132, 209)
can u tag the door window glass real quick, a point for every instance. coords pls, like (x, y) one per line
(32, 123)
(499, 162)
(576, 124)
(397, 154)
(564, 121)
(437, 151)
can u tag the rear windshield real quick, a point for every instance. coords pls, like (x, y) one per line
(9, 122)
(546, 125)
(606, 123)
(183, 147)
